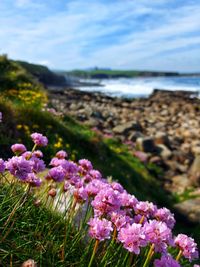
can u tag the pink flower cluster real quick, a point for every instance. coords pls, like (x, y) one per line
(133, 223)
(137, 223)
(187, 246)
(26, 164)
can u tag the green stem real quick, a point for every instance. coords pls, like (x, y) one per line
(179, 255)
(150, 254)
(94, 252)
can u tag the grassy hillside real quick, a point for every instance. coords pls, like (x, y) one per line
(43, 74)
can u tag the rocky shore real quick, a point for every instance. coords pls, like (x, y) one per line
(163, 129)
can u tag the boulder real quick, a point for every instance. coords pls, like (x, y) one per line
(134, 135)
(180, 183)
(127, 127)
(164, 151)
(194, 172)
(161, 138)
(146, 144)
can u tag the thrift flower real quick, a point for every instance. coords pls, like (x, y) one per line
(159, 234)
(95, 186)
(166, 261)
(188, 246)
(38, 154)
(127, 200)
(117, 186)
(19, 167)
(120, 219)
(145, 208)
(107, 200)
(80, 194)
(132, 237)
(166, 216)
(100, 229)
(95, 174)
(38, 165)
(57, 174)
(2, 165)
(61, 154)
(33, 180)
(18, 149)
(39, 139)
(85, 166)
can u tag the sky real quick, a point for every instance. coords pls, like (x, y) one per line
(161, 35)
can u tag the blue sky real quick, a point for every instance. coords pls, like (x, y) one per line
(121, 34)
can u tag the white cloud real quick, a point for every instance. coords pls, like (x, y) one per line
(82, 34)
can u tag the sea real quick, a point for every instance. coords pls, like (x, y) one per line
(142, 87)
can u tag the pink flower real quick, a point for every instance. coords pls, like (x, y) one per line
(159, 234)
(57, 174)
(61, 154)
(145, 208)
(166, 261)
(95, 174)
(107, 200)
(95, 186)
(80, 194)
(33, 180)
(127, 200)
(38, 165)
(120, 219)
(39, 139)
(100, 229)
(19, 167)
(166, 216)
(85, 166)
(38, 154)
(1, 116)
(188, 246)
(117, 186)
(27, 154)
(18, 149)
(132, 237)
(2, 166)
